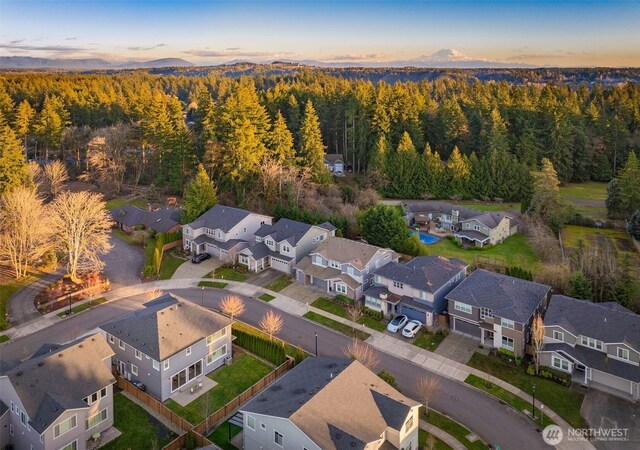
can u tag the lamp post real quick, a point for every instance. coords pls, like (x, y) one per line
(533, 404)
(316, 343)
(202, 301)
(69, 298)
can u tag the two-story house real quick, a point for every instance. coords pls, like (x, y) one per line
(282, 245)
(334, 163)
(343, 266)
(222, 232)
(169, 345)
(58, 399)
(330, 404)
(496, 309)
(598, 343)
(416, 289)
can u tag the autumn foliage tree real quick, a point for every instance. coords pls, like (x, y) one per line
(271, 323)
(232, 305)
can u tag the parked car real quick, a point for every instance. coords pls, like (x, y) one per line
(397, 323)
(411, 328)
(197, 259)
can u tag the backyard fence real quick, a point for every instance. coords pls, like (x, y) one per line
(190, 439)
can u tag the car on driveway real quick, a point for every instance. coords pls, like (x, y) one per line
(411, 328)
(397, 323)
(197, 259)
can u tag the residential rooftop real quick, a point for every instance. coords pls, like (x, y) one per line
(347, 251)
(161, 220)
(220, 217)
(427, 273)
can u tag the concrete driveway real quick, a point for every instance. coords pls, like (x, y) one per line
(302, 293)
(458, 347)
(124, 264)
(606, 411)
(191, 270)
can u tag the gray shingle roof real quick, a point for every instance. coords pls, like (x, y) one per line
(161, 220)
(166, 326)
(606, 322)
(347, 251)
(488, 218)
(220, 217)
(508, 297)
(597, 360)
(285, 229)
(49, 384)
(333, 158)
(260, 250)
(473, 235)
(327, 226)
(427, 273)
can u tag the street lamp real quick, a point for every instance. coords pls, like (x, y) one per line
(69, 298)
(202, 302)
(316, 343)
(533, 404)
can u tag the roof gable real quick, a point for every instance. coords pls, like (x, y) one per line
(221, 217)
(351, 252)
(427, 273)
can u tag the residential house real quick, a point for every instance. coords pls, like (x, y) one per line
(416, 289)
(334, 163)
(169, 345)
(223, 231)
(343, 266)
(330, 404)
(468, 226)
(162, 220)
(58, 399)
(496, 309)
(598, 343)
(282, 245)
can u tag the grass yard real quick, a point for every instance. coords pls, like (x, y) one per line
(266, 297)
(484, 206)
(84, 306)
(123, 236)
(424, 437)
(429, 341)
(514, 251)
(4, 338)
(169, 265)
(213, 284)
(560, 399)
(338, 326)
(245, 371)
(453, 428)
(223, 434)
(138, 428)
(121, 201)
(334, 308)
(6, 291)
(280, 283)
(586, 198)
(229, 274)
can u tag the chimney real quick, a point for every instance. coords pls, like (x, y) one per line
(383, 296)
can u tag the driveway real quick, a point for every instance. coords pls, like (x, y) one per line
(191, 270)
(302, 293)
(20, 308)
(606, 411)
(459, 347)
(123, 264)
(264, 278)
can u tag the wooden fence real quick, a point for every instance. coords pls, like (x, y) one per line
(197, 441)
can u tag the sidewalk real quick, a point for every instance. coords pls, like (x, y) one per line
(442, 435)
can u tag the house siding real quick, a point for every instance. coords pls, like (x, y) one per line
(612, 350)
(548, 335)
(293, 437)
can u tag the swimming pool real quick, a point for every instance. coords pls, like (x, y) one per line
(426, 238)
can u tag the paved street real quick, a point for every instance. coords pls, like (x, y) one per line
(20, 307)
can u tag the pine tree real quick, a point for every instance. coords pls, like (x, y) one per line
(281, 142)
(23, 122)
(458, 172)
(613, 201)
(580, 286)
(545, 200)
(7, 107)
(199, 196)
(435, 183)
(378, 159)
(50, 123)
(630, 185)
(13, 171)
(498, 141)
(634, 225)
(311, 146)
(402, 170)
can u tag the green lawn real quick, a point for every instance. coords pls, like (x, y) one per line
(213, 284)
(423, 437)
(514, 251)
(334, 308)
(338, 326)
(123, 236)
(121, 201)
(280, 283)
(135, 425)
(490, 206)
(4, 338)
(223, 434)
(586, 198)
(245, 371)
(169, 265)
(6, 291)
(290, 349)
(429, 341)
(229, 274)
(88, 305)
(266, 297)
(372, 323)
(453, 428)
(560, 399)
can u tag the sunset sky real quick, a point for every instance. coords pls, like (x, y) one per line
(211, 32)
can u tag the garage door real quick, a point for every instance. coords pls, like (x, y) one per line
(467, 328)
(612, 381)
(413, 314)
(280, 265)
(213, 250)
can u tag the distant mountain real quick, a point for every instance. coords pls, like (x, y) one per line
(27, 62)
(156, 63)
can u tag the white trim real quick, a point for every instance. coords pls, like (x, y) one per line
(563, 329)
(281, 436)
(66, 420)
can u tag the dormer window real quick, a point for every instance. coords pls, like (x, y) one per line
(623, 353)
(334, 264)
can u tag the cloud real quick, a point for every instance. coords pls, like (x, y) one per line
(530, 56)
(17, 41)
(357, 57)
(19, 47)
(233, 53)
(71, 38)
(143, 49)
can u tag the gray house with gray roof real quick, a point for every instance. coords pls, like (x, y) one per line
(59, 399)
(169, 345)
(282, 245)
(496, 309)
(162, 220)
(416, 289)
(300, 411)
(598, 343)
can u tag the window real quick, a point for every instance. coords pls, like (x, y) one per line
(560, 363)
(263, 426)
(372, 302)
(423, 295)
(97, 419)
(251, 422)
(507, 343)
(269, 242)
(317, 260)
(156, 365)
(134, 369)
(23, 418)
(13, 407)
(334, 264)
(186, 375)
(476, 227)
(111, 339)
(94, 397)
(377, 263)
(507, 323)
(409, 424)
(341, 288)
(378, 279)
(72, 446)
(486, 313)
(286, 248)
(65, 426)
(103, 392)
(623, 353)
(211, 357)
(558, 335)
(188, 351)
(279, 439)
(11, 429)
(593, 343)
(138, 354)
(462, 307)
(122, 344)
(215, 336)
(165, 364)
(398, 284)
(351, 271)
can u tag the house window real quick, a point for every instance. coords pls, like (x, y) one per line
(350, 271)
(165, 364)
(211, 357)
(593, 343)
(341, 288)
(507, 323)
(378, 279)
(371, 281)
(263, 426)
(279, 439)
(111, 339)
(251, 422)
(156, 365)
(377, 263)
(186, 375)
(334, 264)
(65, 426)
(11, 429)
(286, 249)
(485, 313)
(560, 363)
(122, 344)
(269, 242)
(558, 335)
(372, 302)
(398, 284)
(103, 392)
(138, 354)
(23, 418)
(423, 295)
(72, 446)
(409, 424)
(317, 260)
(96, 419)
(463, 307)
(134, 369)
(188, 351)
(476, 227)
(215, 336)
(623, 353)
(507, 343)
(13, 406)
(94, 397)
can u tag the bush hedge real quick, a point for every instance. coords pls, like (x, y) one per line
(558, 376)
(154, 259)
(518, 272)
(272, 351)
(377, 315)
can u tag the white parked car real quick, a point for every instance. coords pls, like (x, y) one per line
(411, 328)
(397, 323)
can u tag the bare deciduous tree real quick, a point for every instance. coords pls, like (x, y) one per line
(537, 339)
(24, 229)
(233, 306)
(354, 312)
(555, 275)
(544, 243)
(153, 293)
(271, 323)
(80, 227)
(51, 177)
(271, 174)
(599, 263)
(107, 154)
(363, 353)
(427, 386)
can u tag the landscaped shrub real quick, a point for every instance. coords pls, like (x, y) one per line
(272, 351)
(390, 379)
(377, 315)
(344, 299)
(518, 272)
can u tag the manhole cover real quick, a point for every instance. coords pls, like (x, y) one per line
(455, 398)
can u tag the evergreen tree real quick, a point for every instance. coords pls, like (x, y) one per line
(7, 106)
(630, 185)
(205, 119)
(435, 183)
(199, 196)
(24, 121)
(383, 225)
(451, 123)
(311, 146)
(545, 200)
(13, 171)
(282, 142)
(498, 140)
(50, 123)
(378, 159)
(402, 170)
(634, 225)
(458, 173)
(580, 286)
(613, 201)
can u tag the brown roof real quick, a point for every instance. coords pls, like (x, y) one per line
(348, 251)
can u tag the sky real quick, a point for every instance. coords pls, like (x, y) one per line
(541, 33)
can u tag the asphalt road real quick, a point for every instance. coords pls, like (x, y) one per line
(123, 263)
(496, 423)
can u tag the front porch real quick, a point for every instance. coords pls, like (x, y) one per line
(254, 265)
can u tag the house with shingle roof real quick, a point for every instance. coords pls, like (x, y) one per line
(223, 231)
(58, 399)
(343, 266)
(300, 410)
(598, 343)
(334, 163)
(162, 220)
(282, 245)
(169, 345)
(417, 288)
(496, 309)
